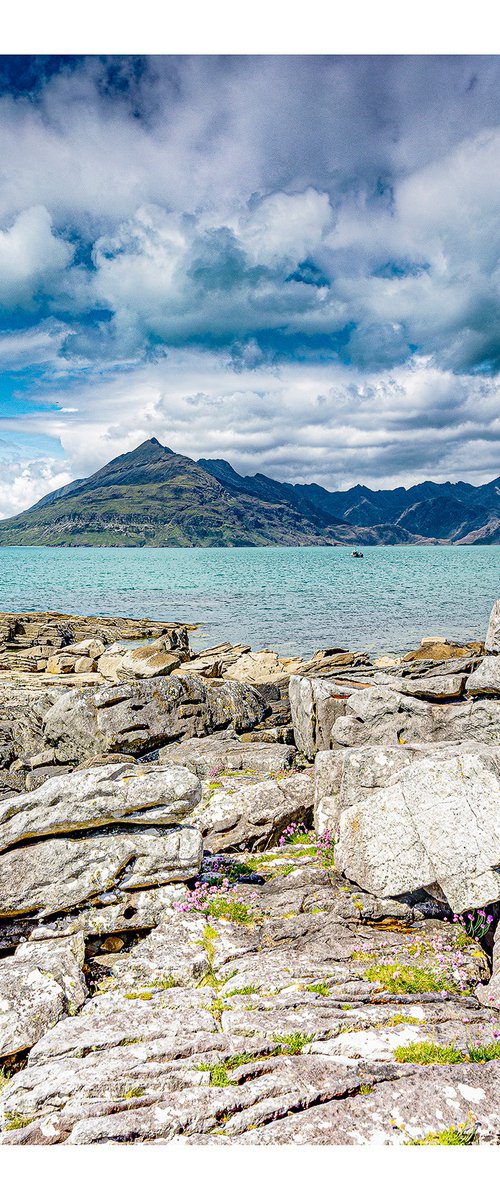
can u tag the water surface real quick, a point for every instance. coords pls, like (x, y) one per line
(294, 600)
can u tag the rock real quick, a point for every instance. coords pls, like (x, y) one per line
(489, 993)
(434, 687)
(315, 704)
(328, 662)
(41, 983)
(85, 666)
(122, 794)
(439, 824)
(438, 651)
(283, 1012)
(485, 680)
(146, 662)
(120, 912)
(60, 664)
(253, 815)
(88, 648)
(144, 715)
(492, 641)
(110, 662)
(381, 716)
(39, 775)
(220, 753)
(261, 666)
(58, 874)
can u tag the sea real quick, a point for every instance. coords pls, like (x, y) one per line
(292, 600)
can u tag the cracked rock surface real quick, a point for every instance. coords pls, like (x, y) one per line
(278, 1029)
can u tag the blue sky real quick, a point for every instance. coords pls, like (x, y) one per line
(290, 262)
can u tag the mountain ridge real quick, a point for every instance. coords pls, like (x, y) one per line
(152, 496)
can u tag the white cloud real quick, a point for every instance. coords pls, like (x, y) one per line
(29, 255)
(23, 483)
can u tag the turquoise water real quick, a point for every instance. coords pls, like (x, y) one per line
(292, 600)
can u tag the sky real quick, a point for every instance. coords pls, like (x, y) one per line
(291, 262)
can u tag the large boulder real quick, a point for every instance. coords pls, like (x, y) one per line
(492, 642)
(221, 752)
(315, 704)
(382, 716)
(485, 680)
(61, 873)
(251, 816)
(126, 794)
(437, 824)
(39, 984)
(141, 716)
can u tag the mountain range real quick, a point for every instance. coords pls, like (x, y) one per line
(152, 496)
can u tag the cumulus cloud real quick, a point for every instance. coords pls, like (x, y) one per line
(291, 262)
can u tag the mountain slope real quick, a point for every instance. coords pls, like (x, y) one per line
(152, 496)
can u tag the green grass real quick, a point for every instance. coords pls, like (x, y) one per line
(132, 1093)
(365, 1089)
(433, 1052)
(322, 989)
(17, 1121)
(293, 1043)
(224, 908)
(455, 1135)
(4, 1078)
(138, 995)
(249, 990)
(399, 1019)
(398, 977)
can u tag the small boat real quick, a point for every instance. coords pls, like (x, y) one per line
(357, 554)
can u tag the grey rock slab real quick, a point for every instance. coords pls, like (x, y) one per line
(381, 716)
(100, 796)
(141, 716)
(439, 824)
(58, 874)
(414, 1105)
(124, 913)
(38, 985)
(435, 687)
(216, 753)
(485, 680)
(315, 704)
(254, 815)
(492, 641)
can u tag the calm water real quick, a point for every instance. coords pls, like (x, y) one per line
(292, 600)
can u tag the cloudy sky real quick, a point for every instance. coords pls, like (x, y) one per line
(289, 262)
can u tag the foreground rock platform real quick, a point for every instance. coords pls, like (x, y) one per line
(288, 1027)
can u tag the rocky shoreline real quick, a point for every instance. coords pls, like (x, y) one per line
(245, 898)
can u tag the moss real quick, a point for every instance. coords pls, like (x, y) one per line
(397, 977)
(17, 1121)
(322, 989)
(399, 1019)
(365, 1089)
(138, 995)
(293, 1043)
(433, 1052)
(249, 990)
(132, 1093)
(455, 1135)
(164, 982)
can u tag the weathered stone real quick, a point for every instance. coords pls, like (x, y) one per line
(492, 642)
(145, 794)
(260, 666)
(254, 815)
(315, 704)
(88, 648)
(85, 666)
(220, 752)
(381, 716)
(38, 985)
(144, 715)
(439, 824)
(434, 687)
(146, 662)
(120, 912)
(485, 680)
(61, 873)
(60, 664)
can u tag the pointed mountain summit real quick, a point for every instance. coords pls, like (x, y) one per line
(152, 496)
